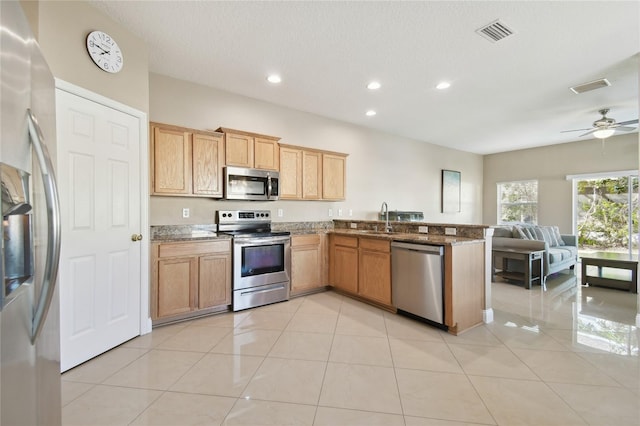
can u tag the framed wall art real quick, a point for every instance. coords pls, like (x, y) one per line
(450, 191)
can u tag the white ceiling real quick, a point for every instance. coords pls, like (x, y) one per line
(507, 95)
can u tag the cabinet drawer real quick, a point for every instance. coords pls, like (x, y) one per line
(375, 244)
(341, 240)
(193, 248)
(305, 240)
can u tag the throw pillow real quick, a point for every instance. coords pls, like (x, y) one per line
(552, 236)
(556, 230)
(537, 231)
(520, 233)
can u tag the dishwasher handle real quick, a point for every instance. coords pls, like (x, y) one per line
(426, 248)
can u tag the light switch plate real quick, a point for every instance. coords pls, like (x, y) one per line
(330, 212)
(423, 229)
(449, 231)
(354, 225)
(280, 213)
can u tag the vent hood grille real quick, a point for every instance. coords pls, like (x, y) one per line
(592, 85)
(495, 31)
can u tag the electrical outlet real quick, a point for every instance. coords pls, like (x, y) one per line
(423, 229)
(280, 213)
(339, 212)
(350, 212)
(449, 231)
(185, 213)
(354, 225)
(330, 212)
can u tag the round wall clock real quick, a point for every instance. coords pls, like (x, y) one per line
(104, 51)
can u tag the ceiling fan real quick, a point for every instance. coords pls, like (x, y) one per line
(605, 126)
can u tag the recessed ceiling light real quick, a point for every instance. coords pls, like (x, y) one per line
(374, 85)
(274, 78)
(371, 113)
(443, 85)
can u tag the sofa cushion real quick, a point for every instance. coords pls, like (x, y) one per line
(558, 254)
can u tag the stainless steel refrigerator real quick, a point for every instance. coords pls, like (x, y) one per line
(29, 308)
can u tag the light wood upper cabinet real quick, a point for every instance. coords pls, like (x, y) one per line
(266, 154)
(239, 150)
(334, 169)
(311, 175)
(304, 174)
(246, 149)
(208, 159)
(186, 162)
(290, 173)
(170, 161)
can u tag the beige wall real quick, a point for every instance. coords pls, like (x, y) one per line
(63, 28)
(380, 167)
(550, 165)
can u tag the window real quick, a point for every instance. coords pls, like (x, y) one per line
(518, 202)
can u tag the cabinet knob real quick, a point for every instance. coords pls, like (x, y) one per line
(136, 237)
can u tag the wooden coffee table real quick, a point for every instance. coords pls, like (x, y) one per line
(602, 260)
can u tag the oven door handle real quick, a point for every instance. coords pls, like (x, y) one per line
(260, 241)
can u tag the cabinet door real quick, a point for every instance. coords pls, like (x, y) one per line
(177, 285)
(266, 154)
(345, 268)
(215, 281)
(311, 175)
(171, 162)
(333, 176)
(374, 280)
(238, 150)
(208, 158)
(290, 173)
(306, 263)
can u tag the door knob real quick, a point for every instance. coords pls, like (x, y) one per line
(136, 237)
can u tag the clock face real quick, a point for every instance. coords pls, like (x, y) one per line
(104, 51)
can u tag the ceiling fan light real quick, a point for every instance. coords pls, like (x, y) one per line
(603, 133)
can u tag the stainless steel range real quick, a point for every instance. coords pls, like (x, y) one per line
(261, 258)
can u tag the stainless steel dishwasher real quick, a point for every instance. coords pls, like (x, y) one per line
(418, 281)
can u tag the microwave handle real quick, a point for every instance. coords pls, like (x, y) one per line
(269, 186)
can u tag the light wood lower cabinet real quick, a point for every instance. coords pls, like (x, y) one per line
(189, 277)
(308, 263)
(374, 270)
(361, 266)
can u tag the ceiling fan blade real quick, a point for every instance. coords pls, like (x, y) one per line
(624, 123)
(589, 132)
(625, 128)
(574, 130)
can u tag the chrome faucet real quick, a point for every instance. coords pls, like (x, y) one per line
(385, 211)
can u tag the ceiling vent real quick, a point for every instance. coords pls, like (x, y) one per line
(592, 85)
(495, 31)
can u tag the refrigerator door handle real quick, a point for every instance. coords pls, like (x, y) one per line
(53, 226)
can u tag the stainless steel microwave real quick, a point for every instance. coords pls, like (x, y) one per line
(251, 184)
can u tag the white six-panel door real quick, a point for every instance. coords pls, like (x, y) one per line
(99, 178)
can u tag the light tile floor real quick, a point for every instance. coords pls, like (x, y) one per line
(568, 356)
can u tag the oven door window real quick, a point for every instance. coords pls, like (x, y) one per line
(263, 259)
(247, 185)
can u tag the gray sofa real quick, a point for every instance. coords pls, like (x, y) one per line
(560, 250)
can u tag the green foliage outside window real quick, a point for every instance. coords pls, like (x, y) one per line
(518, 202)
(603, 212)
